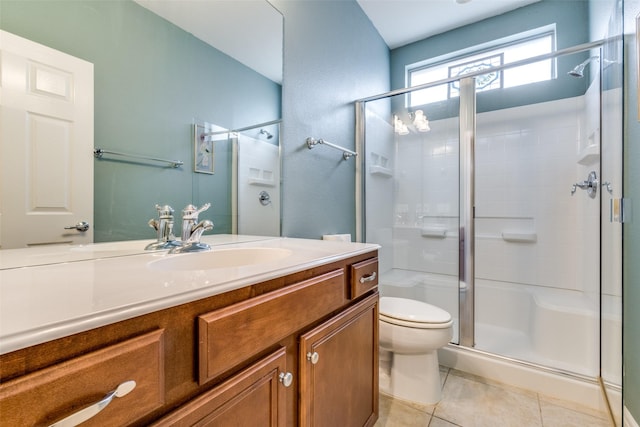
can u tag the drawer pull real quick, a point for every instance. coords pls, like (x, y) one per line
(286, 379)
(90, 411)
(313, 357)
(369, 278)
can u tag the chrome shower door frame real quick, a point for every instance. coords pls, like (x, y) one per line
(466, 217)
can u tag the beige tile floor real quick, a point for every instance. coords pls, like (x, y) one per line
(470, 401)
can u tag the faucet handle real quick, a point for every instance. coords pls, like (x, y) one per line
(165, 211)
(192, 212)
(153, 223)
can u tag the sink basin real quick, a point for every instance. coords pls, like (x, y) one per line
(219, 258)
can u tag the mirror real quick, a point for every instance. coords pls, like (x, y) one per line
(152, 82)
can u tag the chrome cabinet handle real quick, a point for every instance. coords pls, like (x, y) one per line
(286, 378)
(81, 226)
(369, 278)
(90, 411)
(313, 357)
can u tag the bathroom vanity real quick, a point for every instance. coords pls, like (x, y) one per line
(270, 331)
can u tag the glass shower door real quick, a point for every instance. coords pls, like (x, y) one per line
(537, 234)
(411, 173)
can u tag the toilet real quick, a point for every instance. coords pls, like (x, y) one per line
(413, 331)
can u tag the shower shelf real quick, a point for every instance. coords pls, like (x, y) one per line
(261, 182)
(380, 170)
(436, 232)
(589, 152)
(589, 155)
(519, 237)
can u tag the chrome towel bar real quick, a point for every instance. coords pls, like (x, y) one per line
(346, 154)
(99, 152)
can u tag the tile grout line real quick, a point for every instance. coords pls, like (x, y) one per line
(540, 409)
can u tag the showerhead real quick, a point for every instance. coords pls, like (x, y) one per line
(578, 71)
(267, 134)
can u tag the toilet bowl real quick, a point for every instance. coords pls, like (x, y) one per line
(413, 331)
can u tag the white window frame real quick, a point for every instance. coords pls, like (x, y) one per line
(476, 57)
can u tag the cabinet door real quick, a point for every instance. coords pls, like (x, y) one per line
(339, 369)
(253, 397)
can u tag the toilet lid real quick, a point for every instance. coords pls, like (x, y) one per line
(412, 311)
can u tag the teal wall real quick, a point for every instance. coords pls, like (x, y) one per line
(631, 229)
(570, 18)
(333, 55)
(152, 80)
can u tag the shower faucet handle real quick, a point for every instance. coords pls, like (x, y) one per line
(590, 184)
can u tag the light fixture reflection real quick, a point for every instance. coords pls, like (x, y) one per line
(420, 121)
(399, 127)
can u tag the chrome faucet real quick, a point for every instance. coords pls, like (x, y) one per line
(190, 220)
(192, 230)
(164, 226)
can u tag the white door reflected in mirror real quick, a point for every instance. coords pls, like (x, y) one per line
(46, 145)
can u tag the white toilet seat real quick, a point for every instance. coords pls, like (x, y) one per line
(413, 314)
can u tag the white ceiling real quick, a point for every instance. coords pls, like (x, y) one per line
(253, 35)
(400, 22)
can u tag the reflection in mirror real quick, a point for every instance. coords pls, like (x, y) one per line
(257, 162)
(152, 82)
(254, 172)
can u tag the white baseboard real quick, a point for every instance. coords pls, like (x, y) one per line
(628, 420)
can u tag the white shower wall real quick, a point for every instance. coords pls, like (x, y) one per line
(258, 171)
(529, 229)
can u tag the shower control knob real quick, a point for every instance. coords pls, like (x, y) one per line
(590, 184)
(313, 357)
(286, 378)
(264, 198)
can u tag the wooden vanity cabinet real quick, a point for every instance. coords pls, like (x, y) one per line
(242, 358)
(339, 369)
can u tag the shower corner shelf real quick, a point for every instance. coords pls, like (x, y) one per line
(380, 170)
(589, 155)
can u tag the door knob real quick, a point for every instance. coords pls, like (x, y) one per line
(81, 226)
(313, 357)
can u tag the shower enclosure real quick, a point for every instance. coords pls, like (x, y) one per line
(496, 208)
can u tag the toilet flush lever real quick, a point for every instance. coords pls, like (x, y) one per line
(590, 184)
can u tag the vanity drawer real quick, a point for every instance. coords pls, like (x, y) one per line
(234, 334)
(253, 397)
(56, 392)
(364, 277)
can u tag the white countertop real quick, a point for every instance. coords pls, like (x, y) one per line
(49, 293)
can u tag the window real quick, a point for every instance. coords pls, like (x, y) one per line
(501, 52)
